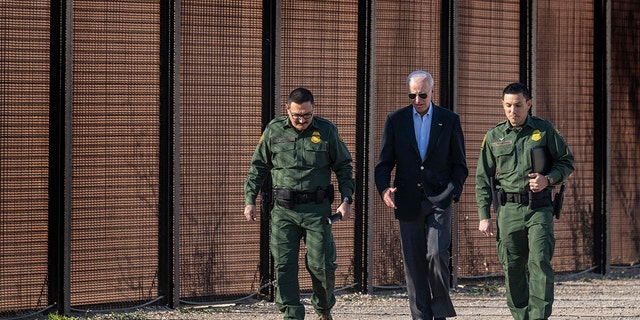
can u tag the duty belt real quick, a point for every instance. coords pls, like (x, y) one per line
(520, 198)
(290, 198)
(294, 196)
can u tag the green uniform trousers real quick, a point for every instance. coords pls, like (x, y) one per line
(526, 243)
(288, 227)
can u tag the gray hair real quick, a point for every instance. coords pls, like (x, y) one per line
(420, 75)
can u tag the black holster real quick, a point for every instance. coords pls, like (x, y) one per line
(266, 198)
(557, 202)
(494, 194)
(329, 193)
(322, 194)
(501, 196)
(540, 199)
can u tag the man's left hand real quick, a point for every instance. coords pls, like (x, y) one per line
(538, 182)
(345, 210)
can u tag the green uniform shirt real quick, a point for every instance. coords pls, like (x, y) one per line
(505, 154)
(300, 161)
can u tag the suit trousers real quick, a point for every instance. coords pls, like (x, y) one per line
(425, 253)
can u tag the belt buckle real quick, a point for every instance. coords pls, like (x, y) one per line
(523, 198)
(302, 198)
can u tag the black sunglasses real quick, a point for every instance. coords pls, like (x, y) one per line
(421, 95)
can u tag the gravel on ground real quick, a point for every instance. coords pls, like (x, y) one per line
(586, 295)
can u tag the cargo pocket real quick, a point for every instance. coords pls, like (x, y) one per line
(315, 154)
(506, 159)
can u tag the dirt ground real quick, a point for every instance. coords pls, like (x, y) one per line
(577, 296)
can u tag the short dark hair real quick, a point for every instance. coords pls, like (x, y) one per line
(300, 95)
(517, 87)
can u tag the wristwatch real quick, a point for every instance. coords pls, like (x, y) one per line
(348, 200)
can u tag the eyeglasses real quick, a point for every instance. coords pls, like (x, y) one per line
(305, 116)
(421, 95)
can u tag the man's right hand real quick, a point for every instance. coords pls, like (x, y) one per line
(486, 227)
(387, 197)
(250, 212)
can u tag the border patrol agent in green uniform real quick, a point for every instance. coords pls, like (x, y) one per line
(525, 239)
(300, 151)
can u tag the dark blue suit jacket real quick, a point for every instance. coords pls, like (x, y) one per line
(445, 160)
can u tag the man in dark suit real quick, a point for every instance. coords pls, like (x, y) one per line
(425, 144)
